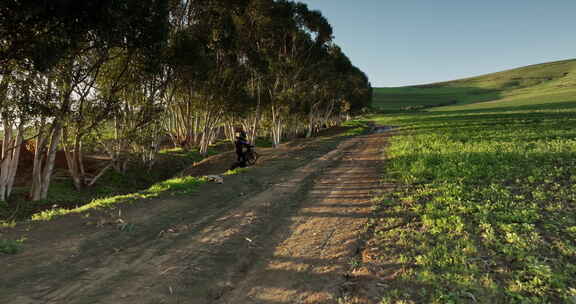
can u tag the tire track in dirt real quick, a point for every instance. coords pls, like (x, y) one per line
(291, 243)
(309, 261)
(200, 266)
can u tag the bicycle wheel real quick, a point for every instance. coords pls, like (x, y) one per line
(252, 157)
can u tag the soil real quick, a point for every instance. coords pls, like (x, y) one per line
(289, 230)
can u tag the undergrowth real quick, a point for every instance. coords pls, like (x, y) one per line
(11, 246)
(175, 186)
(62, 194)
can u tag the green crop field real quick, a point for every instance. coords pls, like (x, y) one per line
(485, 205)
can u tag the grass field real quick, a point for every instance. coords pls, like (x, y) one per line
(543, 83)
(485, 208)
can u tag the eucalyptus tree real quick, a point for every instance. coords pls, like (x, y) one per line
(187, 57)
(210, 95)
(147, 68)
(15, 115)
(359, 92)
(79, 109)
(137, 85)
(250, 23)
(288, 35)
(68, 42)
(346, 88)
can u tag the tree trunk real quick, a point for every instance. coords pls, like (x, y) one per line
(196, 131)
(211, 119)
(100, 174)
(253, 122)
(50, 158)
(229, 130)
(312, 120)
(44, 163)
(277, 126)
(10, 156)
(253, 131)
(15, 159)
(36, 188)
(6, 159)
(74, 160)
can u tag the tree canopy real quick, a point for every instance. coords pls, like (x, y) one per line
(127, 76)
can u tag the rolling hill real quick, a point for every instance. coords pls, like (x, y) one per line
(553, 84)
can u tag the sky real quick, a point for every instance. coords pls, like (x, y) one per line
(407, 42)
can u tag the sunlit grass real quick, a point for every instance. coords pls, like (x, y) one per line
(359, 127)
(485, 206)
(235, 171)
(175, 186)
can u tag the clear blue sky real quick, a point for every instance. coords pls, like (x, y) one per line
(404, 42)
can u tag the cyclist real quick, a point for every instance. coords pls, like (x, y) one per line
(242, 148)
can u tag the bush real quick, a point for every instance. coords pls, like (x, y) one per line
(10, 246)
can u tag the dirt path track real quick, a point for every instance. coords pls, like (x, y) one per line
(288, 232)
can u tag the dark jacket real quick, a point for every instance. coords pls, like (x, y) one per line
(240, 143)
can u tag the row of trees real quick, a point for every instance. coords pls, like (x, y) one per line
(126, 75)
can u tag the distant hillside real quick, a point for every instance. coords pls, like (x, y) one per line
(544, 83)
(559, 74)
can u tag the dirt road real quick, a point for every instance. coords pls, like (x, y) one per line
(288, 231)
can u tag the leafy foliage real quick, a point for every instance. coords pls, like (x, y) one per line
(11, 246)
(43, 33)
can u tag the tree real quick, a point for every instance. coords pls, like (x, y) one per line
(14, 102)
(68, 41)
(290, 36)
(127, 74)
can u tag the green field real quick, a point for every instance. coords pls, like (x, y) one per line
(485, 205)
(533, 85)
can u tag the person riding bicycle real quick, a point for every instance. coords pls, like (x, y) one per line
(242, 148)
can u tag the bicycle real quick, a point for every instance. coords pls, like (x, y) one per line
(250, 159)
(251, 156)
